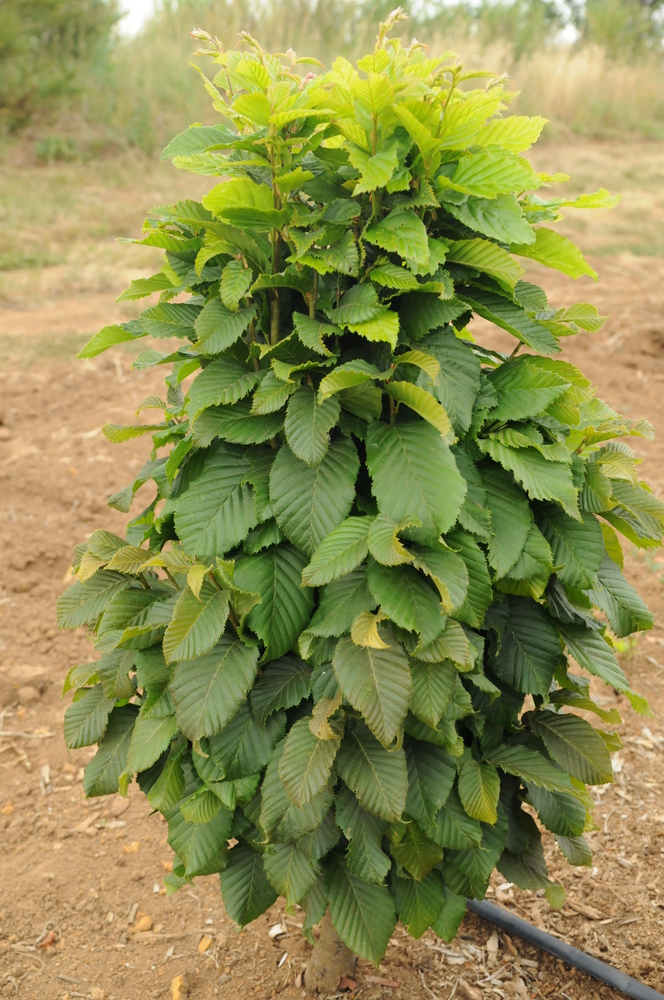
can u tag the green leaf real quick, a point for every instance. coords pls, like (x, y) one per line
(150, 739)
(531, 572)
(207, 691)
(510, 516)
(451, 644)
(236, 279)
(405, 598)
(378, 776)
(505, 313)
(363, 915)
(575, 850)
(83, 603)
(575, 745)
(529, 649)
(377, 683)
(449, 920)
(312, 331)
(516, 132)
(479, 594)
(433, 685)
(281, 820)
(408, 465)
(341, 552)
(447, 571)
(308, 424)
(217, 328)
(459, 377)
(243, 203)
(339, 604)
(245, 887)
(107, 337)
(531, 766)
(499, 218)
(487, 257)
(169, 787)
(283, 684)
(364, 854)
(560, 813)
(479, 789)
(431, 774)
(418, 903)
(402, 232)
(170, 320)
(290, 873)
(236, 424)
(422, 402)
(622, 605)
(102, 775)
(489, 174)
(421, 312)
(541, 479)
(454, 827)
(87, 718)
(375, 170)
(285, 606)
(223, 382)
(310, 502)
(197, 623)
(524, 389)
(577, 546)
(592, 652)
(306, 762)
(556, 251)
(244, 747)
(271, 394)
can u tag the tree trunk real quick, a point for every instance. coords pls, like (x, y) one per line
(331, 961)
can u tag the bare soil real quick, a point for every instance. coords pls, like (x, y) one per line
(91, 872)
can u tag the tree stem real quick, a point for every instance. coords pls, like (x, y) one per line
(330, 961)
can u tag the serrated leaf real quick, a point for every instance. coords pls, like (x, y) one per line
(479, 789)
(510, 516)
(306, 762)
(403, 232)
(102, 775)
(207, 691)
(245, 888)
(560, 813)
(487, 257)
(150, 738)
(290, 873)
(271, 394)
(217, 328)
(385, 545)
(554, 250)
(531, 766)
(236, 424)
(377, 683)
(433, 686)
(339, 603)
(458, 380)
(575, 850)
(529, 649)
(378, 776)
(577, 546)
(363, 915)
(448, 572)
(310, 502)
(197, 623)
(449, 919)
(499, 218)
(217, 511)
(236, 279)
(418, 903)
(87, 718)
(622, 605)
(431, 774)
(308, 424)
(311, 333)
(406, 599)
(454, 828)
(479, 593)
(281, 820)
(574, 744)
(341, 552)
(83, 603)
(422, 402)
(524, 389)
(244, 747)
(408, 464)
(541, 479)
(223, 382)
(107, 337)
(592, 652)
(283, 684)
(421, 312)
(286, 605)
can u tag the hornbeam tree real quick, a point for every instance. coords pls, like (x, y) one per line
(335, 648)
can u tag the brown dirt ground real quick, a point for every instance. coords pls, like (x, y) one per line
(89, 870)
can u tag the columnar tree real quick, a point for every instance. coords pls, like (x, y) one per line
(335, 649)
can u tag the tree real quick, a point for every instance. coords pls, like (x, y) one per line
(372, 538)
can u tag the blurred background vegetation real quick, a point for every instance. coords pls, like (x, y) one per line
(73, 87)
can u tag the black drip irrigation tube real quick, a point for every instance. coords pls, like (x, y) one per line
(585, 963)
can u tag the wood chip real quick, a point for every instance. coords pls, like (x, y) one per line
(379, 981)
(345, 983)
(471, 992)
(204, 944)
(585, 910)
